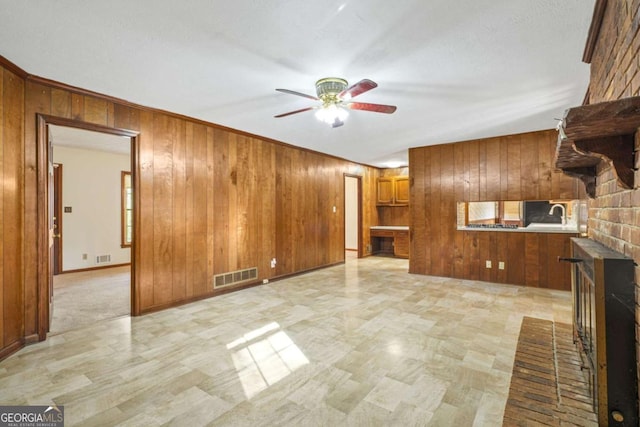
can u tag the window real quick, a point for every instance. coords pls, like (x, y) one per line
(127, 209)
(567, 215)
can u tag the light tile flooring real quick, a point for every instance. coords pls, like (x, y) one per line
(361, 344)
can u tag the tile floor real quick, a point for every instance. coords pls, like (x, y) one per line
(360, 344)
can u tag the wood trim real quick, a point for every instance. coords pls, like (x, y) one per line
(31, 339)
(214, 293)
(85, 92)
(230, 289)
(58, 168)
(308, 270)
(594, 30)
(102, 267)
(61, 121)
(134, 255)
(10, 349)
(344, 210)
(5, 63)
(123, 210)
(42, 121)
(42, 142)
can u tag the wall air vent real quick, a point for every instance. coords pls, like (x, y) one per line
(234, 277)
(101, 259)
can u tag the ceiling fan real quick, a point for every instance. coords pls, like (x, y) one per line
(336, 99)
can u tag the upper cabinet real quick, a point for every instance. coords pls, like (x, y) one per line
(385, 191)
(402, 190)
(393, 191)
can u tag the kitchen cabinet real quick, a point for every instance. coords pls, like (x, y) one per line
(385, 191)
(392, 241)
(401, 244)
(393, 191)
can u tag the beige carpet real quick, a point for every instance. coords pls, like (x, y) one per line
(83, 298)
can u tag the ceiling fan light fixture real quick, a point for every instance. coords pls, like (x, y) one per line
(329, 88)
(336, 96)
(331, 114)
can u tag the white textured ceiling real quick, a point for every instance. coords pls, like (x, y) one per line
(457, 70)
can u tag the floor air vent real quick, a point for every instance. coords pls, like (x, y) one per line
(234, 277)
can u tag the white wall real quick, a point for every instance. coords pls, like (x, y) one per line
(91, 187)
(351, 213)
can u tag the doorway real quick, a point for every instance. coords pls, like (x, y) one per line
(73, 253)
(352, 216)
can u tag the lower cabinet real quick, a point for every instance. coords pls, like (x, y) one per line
(390, 242)
(401, 244)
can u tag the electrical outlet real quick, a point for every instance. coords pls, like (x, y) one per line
(501, 265)
(487, 264)
(273, 263)
(265, 281)
(335, 209)
(84, 256)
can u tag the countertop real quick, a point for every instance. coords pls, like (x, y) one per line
(538, 228)
(390, 227)
(534, 228)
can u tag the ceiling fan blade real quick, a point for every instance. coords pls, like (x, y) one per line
(378, 108)
(293, 92)
(302, 110)
(362, 86)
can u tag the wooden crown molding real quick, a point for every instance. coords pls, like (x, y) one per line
(594, 30)
(4, 62)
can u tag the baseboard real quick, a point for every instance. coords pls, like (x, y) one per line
(31, 339)
(10, 349)
(309, 270)
(223, 291)
(102, 267)
(211, 294)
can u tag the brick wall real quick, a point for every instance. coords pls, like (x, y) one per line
(614, 215)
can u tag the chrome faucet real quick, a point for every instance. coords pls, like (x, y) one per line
(564, 212)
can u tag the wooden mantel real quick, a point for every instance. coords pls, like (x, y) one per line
(604, 131)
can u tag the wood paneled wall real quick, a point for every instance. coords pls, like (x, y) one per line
(514, 167)
(210, 200)
(11, 170)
